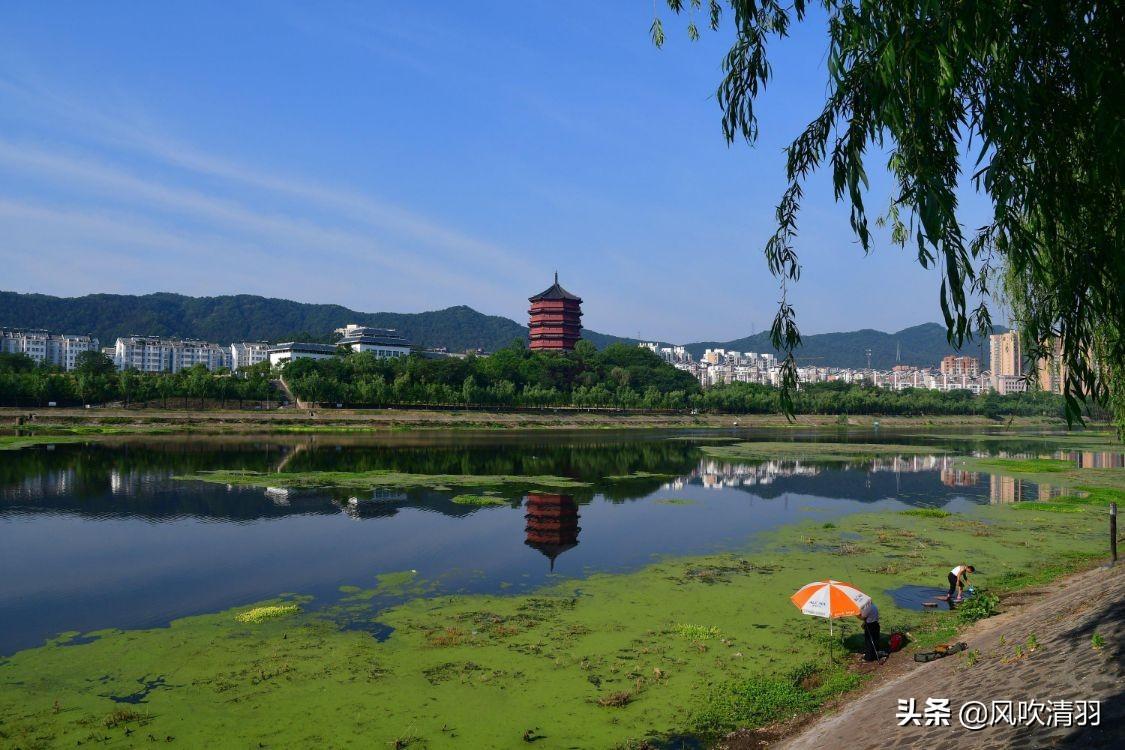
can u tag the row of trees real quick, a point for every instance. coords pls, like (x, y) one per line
(844, 398)
(619, 377)
(95, 380)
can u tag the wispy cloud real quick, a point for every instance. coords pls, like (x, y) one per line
(130, 162)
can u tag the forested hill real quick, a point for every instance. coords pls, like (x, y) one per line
(248, 317)
(922, 345)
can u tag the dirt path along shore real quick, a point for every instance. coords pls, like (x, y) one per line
(1061, 643)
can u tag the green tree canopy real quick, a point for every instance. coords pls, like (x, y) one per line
(94, 363)
(1026, 99)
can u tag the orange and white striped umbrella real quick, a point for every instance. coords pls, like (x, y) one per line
(830, 599)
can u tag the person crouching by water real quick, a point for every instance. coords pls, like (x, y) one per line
(958, 580)
(869, 613)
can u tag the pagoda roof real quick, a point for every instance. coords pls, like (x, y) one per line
(554, 292)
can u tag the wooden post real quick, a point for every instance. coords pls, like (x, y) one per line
(1113, 532)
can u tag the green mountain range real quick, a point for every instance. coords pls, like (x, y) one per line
(246, 317)
(922, 345)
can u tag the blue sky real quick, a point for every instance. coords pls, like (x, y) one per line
(412, 156)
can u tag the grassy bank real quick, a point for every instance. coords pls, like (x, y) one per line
(694, 645)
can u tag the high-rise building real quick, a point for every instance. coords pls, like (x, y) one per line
(555, 319)
(1005, 360)
(1051, 370)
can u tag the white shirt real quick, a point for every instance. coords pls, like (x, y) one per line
(869, 612)
(958, 570)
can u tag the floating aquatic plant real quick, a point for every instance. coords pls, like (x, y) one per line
(268, 612)
(697, 632)
(479, 501)
(926, 513)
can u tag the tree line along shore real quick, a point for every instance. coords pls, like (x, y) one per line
(615, 378)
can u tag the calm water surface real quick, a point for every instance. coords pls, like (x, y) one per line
(101, 535)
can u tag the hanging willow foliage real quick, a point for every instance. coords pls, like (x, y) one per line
(1033, 92)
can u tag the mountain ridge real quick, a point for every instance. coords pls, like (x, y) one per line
(247, 317)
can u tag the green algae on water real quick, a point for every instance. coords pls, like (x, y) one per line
(18, 442)
(267, 612)
(468, 670)
(378, 478)
(697, 632)
(1027, 465)
(766, 451)
(479, 501)
(638, 476)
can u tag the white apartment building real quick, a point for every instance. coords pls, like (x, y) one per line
(57, 349)
(156, 354)
(247, 353)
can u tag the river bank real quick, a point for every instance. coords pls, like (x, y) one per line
(109, 420)
(687, 647)
(1060, 642)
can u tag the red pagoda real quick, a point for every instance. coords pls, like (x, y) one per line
(552, 524)
(556, 319)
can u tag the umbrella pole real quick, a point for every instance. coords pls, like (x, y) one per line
(829, 626)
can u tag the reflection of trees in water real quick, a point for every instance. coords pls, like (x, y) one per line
(133, 479)
(586, 460)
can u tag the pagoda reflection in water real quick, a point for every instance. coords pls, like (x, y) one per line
(552, 524)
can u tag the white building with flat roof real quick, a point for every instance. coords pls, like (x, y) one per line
(281, 354)
(59, 349)
(382, 342)
(157, 354)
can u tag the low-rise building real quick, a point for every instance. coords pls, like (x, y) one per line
(1005, 384)
(281, 354)
(59, 349)
(382, 342)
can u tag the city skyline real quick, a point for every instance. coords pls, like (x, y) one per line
(313, 159)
